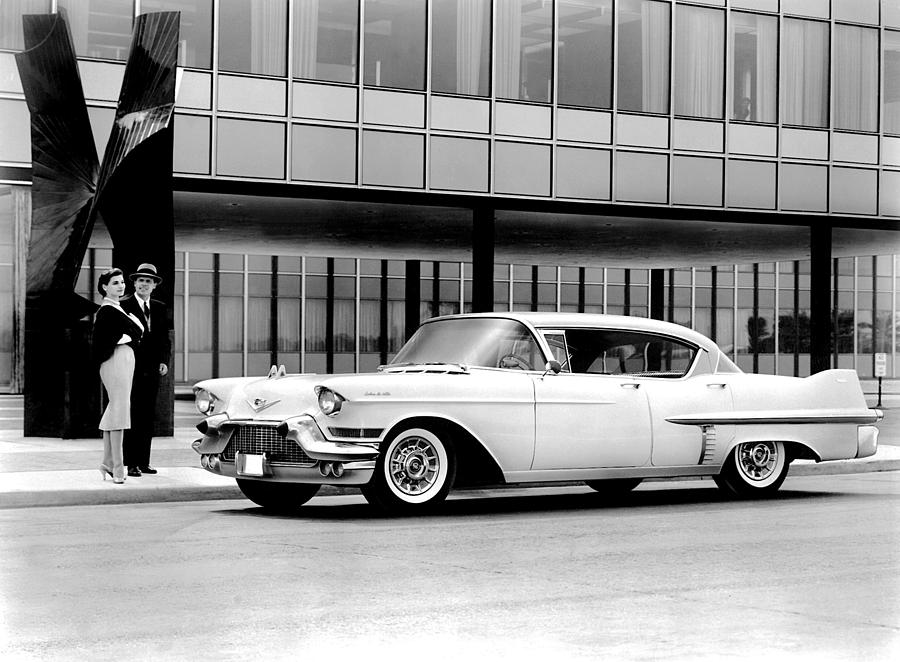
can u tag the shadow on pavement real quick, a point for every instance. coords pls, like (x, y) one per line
(536, 504)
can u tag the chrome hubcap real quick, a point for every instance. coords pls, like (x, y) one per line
(414, 465)
(757, 461)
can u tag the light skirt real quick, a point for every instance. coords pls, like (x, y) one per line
(116, 373)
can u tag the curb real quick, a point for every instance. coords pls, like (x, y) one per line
(106, 494)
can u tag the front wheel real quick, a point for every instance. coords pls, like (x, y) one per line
(415, 470)
(278, 497)
(754, 469)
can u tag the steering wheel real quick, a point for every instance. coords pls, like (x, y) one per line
(512, 361)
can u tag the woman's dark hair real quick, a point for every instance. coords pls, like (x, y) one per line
(104, 279)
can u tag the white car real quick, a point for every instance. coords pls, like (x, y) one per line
(503, 398)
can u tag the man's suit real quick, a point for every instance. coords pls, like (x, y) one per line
(153, 350)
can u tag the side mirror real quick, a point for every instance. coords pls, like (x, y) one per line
(552, 366)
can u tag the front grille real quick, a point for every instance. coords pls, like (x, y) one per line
(255, 439)
(356, 433)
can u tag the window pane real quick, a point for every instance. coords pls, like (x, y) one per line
(288, 325)
(326, 36)
(259, 324)
(100, 28)
(804, 73)
(11, 12)
(252, 36)
(891, 82)
(195, 45)
(643, 69)
(585, 53)
(395, 44)
(699, 61)
(524, 56)
(231, 324)
(754, 67)
(461, 59)
(855, 78)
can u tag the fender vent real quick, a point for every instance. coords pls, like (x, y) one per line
(709, 444)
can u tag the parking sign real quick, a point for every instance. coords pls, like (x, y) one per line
(880, 364)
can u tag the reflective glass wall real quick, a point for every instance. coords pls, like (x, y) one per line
(238, 314)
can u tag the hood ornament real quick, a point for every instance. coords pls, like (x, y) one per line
(259, 404)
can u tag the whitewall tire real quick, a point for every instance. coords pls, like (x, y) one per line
(415, 469)
(756, 468)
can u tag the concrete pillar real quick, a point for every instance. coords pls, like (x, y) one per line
(413, 295)
(820, 326)
(482, 260)
(657, 294)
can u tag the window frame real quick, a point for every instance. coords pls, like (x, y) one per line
(688, 371)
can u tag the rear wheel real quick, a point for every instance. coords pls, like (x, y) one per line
(754, 469)
(278, 497)
(613, 486)
(414, 471)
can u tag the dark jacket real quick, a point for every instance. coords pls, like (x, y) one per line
(154, 348)
(109, 325)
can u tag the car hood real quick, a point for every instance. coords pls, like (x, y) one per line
(278, 398)
(266, 399)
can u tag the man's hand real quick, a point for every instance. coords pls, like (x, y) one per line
(163, 369)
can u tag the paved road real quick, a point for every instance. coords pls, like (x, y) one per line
(672, 573)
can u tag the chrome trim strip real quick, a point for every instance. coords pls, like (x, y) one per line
(782, 418)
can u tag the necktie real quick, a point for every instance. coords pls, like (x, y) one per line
(147, 314)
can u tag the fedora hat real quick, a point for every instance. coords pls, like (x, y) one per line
(147, 270)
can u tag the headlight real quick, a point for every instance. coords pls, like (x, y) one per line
(205, 401)
(329, 401)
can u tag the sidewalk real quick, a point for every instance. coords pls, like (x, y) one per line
(37, 471)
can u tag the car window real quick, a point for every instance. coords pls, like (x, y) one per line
(556, 340)
(613, 352)
(488, 342)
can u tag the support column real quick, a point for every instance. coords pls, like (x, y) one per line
(482, 260)
(657, 294)
(820, 328)
(413, 296)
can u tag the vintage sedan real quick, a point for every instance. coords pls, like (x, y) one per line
(513, 398)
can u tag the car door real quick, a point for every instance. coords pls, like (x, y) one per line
(587, 420)
(685, 386)
(683, 445)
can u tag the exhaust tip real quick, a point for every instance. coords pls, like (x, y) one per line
(337, 469)
(325, 469)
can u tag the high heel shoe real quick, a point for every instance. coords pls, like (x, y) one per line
(105, 471)
(118, 481)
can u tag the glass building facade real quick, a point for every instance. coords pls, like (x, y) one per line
(766, 106)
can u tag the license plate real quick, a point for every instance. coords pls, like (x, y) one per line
(251, 465)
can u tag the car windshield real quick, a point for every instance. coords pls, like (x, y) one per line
(481, 341)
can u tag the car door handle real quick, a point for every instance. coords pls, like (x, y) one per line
(716, 385)
(630, 385)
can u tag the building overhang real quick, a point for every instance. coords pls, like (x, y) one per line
(291, 219)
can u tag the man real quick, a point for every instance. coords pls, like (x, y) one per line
(150, 363)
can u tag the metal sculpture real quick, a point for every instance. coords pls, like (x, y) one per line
(70, 189)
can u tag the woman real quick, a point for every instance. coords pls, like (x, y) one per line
(115, 334)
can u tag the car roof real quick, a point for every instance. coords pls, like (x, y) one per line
(552, 320)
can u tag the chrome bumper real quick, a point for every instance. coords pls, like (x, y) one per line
(306, 433)
(866, 441)
(355, 473)
(355, 461)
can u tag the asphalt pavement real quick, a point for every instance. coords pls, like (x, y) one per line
(40, 471)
